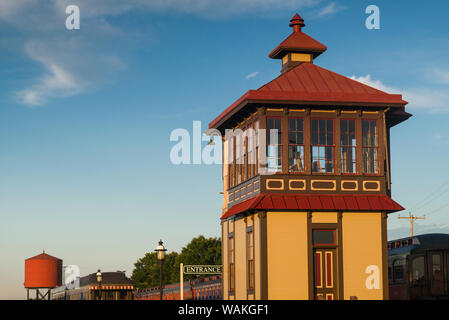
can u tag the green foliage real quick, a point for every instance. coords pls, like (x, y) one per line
(147, 269)
(200, 250)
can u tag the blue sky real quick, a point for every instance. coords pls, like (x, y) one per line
(86, 115)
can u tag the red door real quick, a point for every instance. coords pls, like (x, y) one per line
(325, 274)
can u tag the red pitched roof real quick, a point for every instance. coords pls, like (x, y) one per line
(315, 202)
(298, 41)
(310, 84)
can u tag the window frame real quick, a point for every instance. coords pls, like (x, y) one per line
(356, 147)
(251, 268)
(377, 147)
(231, 264)
(279, 145)
(325, 146)
(303, 146)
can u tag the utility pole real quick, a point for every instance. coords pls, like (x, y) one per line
(412, 219)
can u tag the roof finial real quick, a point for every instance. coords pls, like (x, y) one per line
(297, 23)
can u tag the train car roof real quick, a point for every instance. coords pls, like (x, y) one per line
(430, 241)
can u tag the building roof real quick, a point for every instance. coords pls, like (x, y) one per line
(315, 202)
(310, 84)
(298, 41)
(113, 278)
(43, 256)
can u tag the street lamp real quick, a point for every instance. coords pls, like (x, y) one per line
(160, 256)
(99, 279)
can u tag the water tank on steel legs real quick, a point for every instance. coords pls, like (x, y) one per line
(43, 271)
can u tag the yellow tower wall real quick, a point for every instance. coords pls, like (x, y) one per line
(363, 243)
(287, 251)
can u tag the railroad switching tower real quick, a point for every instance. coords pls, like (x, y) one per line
(42, 273)
(305, 209)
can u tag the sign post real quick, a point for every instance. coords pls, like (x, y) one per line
(181, 282)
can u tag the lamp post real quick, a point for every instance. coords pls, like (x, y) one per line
(160, 256)
(99, 279)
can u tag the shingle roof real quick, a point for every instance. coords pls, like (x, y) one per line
(313, 85)
(315, 202)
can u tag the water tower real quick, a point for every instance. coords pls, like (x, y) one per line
(42, 273)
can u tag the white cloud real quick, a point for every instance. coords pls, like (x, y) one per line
(252, 75)
(205, 8)
(331, 8)
(69, 69)
(72, 69)
(442, 139)
(431, 99)
(374, 83)
(439, 76)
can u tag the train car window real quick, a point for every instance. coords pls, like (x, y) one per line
(389, 274)
(398, 270)
(437, 284)
(418, 270)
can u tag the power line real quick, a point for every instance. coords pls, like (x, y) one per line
(438, 209)
(425, 202)
(425, 199)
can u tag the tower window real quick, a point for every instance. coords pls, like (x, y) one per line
(323, 145)
(370, 146)
(348, 146)
(295, 145)
(274, 144)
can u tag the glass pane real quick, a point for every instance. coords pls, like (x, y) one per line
(292, 138)
(436, 258)
(300, 125)
(314, 137)
(322, 125)
(322, 138)
(323, 236)
(292, 125)
(418, 270)
(344, 125)
(330, 138)
(299, 138)
(315, 125)
(352, 126)
(296, 158)
(330, 125)
(329, 159)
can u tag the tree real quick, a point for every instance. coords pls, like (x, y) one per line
(147, 270)
(200, 250)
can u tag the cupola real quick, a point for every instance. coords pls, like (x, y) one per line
(298, 47)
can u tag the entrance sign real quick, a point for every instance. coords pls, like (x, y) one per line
(203, 269)
(196, 269)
